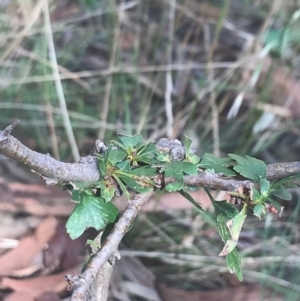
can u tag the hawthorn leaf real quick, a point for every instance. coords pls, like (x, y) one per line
(191, 199)
(210, 161)
(234, 226)
(163, 157)
(250, 168)
(175, 169)
(107, 191)
(134, 185)
(189, 155)
(259, 210)
(264, 187)
(146, 171)
(124, 165)
(282, 193)
(187, 143)
(234, 264)
(102, 162)
(91, 211)
(291, 185)
(131, 141)
(122, 187)
(225, 212)
(147, 153)
(255, 195)
(116, 155)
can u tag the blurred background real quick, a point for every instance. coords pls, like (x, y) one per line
(225, 73)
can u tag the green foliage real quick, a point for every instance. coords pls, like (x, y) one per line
(177, 170)
(130, 164)
(250, 168)
(225, 213)
(217, 165)
(90, 211)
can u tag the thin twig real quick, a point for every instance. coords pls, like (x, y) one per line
(110, 246)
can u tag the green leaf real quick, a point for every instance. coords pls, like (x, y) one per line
(191, 199)
(255, 195)
(76, 196)
(107, 193)
(146, 171)
(176, 169)
(91, 211)
(250, 168)
(124, 166)
(282, 193)
(189, 155)
(116, 155)
(134, 185)
(235, 226)
(210, 161)
(131, 141)
(291, 185)
(259, 210)
(102, 162)
(187, 143)
(264, 187)
(163, 157)
(224, 212)
(147, 153)
(122, 186)
(234, 264)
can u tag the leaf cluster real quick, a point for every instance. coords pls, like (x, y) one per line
(131, 165)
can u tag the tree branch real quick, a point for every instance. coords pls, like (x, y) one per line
(88, 171)
(82, 284)
(45, 164)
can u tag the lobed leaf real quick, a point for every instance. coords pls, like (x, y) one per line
(191, 199)
(134, 185)
(264, 187)
(131, 141)
(210, 161)
(116, 156)
(234, 226)
(234, 264)
(175, 169)
(282, 193)
(146, 171)
(225, 212)
(91, 211)
(259, 210)
(250, 168)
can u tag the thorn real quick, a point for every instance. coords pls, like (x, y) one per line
(4, 134)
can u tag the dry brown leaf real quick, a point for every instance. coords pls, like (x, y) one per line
(35, 287)
(28, 253)
(36, 199)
